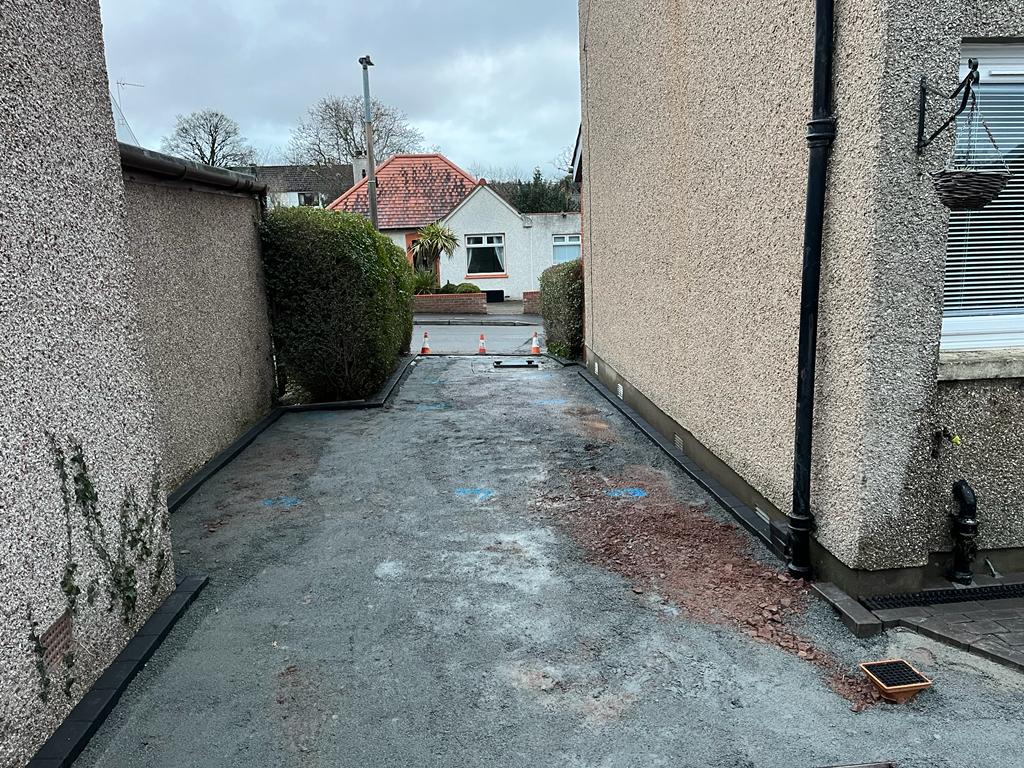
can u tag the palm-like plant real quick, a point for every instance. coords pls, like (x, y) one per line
(433, 240)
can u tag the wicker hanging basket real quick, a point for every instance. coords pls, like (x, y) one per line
(970, 181)
(967, 189)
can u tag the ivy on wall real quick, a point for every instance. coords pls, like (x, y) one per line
(135, 548)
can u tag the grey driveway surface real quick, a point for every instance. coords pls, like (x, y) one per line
(388, 589)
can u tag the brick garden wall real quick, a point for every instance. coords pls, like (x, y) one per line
(450, 304)
(531, 302)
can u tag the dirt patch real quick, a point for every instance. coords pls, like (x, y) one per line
(301, 712)
(591, 423)
(637, 528)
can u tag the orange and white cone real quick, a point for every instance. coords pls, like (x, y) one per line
(535, 346)
(425, 350)
(482, 347)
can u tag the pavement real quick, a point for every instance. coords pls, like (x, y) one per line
(389, 588)
(486, 320)
(464, 339)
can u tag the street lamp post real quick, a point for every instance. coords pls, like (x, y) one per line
(371, 173)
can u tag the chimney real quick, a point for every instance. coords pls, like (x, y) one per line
(359, 166)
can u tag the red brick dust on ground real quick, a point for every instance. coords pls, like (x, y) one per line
(702, 565)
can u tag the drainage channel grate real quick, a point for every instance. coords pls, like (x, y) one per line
(940, 596)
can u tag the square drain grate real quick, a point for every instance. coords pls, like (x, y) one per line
(895, 679)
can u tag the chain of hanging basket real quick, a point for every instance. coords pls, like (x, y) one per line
(966, 185)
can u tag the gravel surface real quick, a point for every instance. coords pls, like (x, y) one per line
(422, 585)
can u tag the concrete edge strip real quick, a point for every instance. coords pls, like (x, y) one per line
(377, 401)
(71, 737)
(743, 514)
(857, 618)
(185, 490)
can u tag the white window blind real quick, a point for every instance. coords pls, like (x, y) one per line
(565, 248)
(983, 296)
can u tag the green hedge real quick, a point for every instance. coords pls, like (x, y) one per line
(561, 304)
(340, 298)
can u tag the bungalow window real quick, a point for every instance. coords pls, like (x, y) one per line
(565, 248)
(309, 198)
(983, 291)
(485, 254)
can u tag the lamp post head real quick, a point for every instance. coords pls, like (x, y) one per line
(365, 61)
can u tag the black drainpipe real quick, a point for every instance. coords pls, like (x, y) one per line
(820, 132)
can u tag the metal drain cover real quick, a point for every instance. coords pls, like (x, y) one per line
(894, 673)
(515, 364)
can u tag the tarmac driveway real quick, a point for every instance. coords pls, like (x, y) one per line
(395, 587)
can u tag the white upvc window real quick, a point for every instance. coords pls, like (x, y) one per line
(307, 199)
(565, 248)
(485, 254)
(983, 290)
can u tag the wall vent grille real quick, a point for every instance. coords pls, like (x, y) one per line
(618, 390)
(56, 641)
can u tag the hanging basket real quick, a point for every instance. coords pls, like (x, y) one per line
(968, 189)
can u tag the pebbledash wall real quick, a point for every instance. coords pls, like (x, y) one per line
(693, 275)
(196, 253)
(74, 374)
(136, 346)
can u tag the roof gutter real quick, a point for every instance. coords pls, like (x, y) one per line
(175, 169)
(821, 130)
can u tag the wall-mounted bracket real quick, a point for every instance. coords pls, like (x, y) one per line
(966, 87)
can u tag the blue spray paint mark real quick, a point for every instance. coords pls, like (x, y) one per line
(282, 501)
(556, 401)
(618, 493)
(482, 494)
(430, 407)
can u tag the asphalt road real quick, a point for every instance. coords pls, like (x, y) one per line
(391, 588)
(463, 339)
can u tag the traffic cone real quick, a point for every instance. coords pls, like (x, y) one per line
(425, 350)
(535, 347)
(482, 348)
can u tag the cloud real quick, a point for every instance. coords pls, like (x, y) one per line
(493, 84)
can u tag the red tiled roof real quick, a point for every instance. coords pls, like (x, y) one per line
(412, 191)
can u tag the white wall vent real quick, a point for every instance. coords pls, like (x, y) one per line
(618, 390)
(596, 371)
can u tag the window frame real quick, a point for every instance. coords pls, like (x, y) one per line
(501, 256)
(566, 241)
(314, 195)
(983, 329)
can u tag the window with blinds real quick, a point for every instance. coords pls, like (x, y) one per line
(983, 296)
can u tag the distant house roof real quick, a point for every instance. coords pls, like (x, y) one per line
(412, 191)
(303, 178)
(483, 188)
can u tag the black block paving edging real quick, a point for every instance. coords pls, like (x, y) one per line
(772, 537)
(68, 741)
(183, 492)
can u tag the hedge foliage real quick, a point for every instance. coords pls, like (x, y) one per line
(340, 298)
(561, 304)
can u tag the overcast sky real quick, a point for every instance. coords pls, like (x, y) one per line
(492, 83)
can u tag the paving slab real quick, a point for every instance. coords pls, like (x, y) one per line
(415, 604)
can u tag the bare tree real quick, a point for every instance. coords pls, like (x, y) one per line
(332, 132)
(563, 160)
(209, 137)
